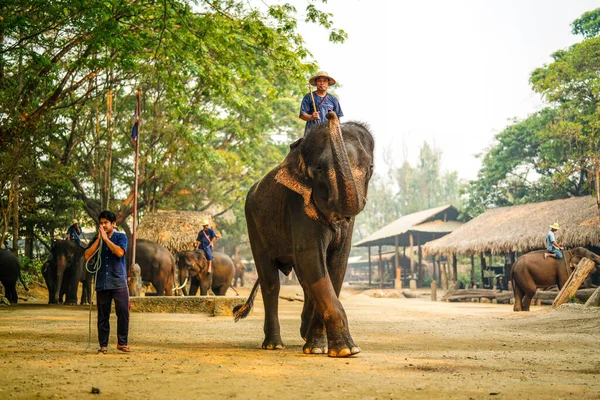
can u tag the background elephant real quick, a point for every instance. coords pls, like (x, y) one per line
(10, 273)
(193, 265)
(156, 263)
(64, 270)
(134, 280)
(300, 216)
(240, 270)
(532, 271)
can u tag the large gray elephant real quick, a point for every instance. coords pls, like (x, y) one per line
(532, 271)
(10, 273)
(63, 272)
(300, 216)
(157, 266)
(240, 270)
(193, 266)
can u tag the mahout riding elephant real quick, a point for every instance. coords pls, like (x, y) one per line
(193, 265)
(300, 216)
(10, 273)
(65, 269)
(156, 263)
(532, 271)
(240, 270)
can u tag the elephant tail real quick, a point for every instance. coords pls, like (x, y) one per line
(242, 311)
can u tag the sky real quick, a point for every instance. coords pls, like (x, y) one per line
(450, 72)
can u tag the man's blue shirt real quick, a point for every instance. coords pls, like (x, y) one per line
(113, 272)
(73, 233)
(203, 239)
(549, 239)
(330, 103)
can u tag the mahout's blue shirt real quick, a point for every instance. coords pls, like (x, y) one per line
(328, 102)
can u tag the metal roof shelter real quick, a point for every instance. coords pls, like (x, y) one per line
(412, 230)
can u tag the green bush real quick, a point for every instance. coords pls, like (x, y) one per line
(31, 270)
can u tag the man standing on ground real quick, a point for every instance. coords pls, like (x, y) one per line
(111, 281)
(324, 102)
(73, 232)
(205, 241)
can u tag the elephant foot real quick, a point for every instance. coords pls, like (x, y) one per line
(274, 343)
(343, 348)
(317, 344)
(70, 303)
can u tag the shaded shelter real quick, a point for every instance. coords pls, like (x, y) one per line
(522, 228)
(409, 231)
(175, 230)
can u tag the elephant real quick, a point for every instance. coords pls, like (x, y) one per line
(10, 273)
(240, 269)
(156, 263)
(300, 216)
(193, 265)
(64, 270)
(532, 271)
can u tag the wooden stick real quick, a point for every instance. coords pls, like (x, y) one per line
(312, 97)
(581, 272)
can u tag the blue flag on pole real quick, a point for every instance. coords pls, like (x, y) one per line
(136, 123)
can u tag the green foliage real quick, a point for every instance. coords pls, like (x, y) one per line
(219, 79)
(552, 153)
(31, 270)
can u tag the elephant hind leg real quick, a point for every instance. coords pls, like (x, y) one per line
(518, 306)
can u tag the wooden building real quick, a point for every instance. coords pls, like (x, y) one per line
(511, 231)
(410, 232)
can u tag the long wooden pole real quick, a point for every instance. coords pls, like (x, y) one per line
(135, 176)
(398, 282)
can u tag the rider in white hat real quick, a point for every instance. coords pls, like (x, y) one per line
(205, 241)
(323, 101)
(553, 249)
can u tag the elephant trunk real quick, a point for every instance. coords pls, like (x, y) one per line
(344, 190)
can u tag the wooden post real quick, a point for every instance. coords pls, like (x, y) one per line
(444, 277)
(454, 268)
(439, 271)
(420, 264)
(472, 270)
(581, 272)
(433, 291)
(370, 273)
(398, 281)
(413, 282)
(482, 261)
(434, 269)
(380, 265)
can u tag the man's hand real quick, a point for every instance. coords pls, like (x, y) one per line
(103, 234)
(315, 116)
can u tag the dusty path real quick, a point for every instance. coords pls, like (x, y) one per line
(412, 348)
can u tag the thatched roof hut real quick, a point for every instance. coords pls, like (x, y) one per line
(523, 228)
(175, 230)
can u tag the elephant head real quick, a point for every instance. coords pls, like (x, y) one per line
(580, 252)
(330, 169)
(191, 264)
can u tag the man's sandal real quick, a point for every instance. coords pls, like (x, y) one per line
(103, 350)
(124, 349)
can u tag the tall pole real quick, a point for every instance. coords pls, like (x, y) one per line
(135, 174)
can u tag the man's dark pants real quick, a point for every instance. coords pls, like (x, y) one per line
(104, 299)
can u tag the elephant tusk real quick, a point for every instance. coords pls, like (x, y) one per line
(182, 286)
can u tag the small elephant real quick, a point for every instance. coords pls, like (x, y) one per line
(193, 265)
(532, 271)
(134, 281)
(64, 270)
(10, 273)
(240, 270)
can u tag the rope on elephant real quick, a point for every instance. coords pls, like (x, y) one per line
(94, 271)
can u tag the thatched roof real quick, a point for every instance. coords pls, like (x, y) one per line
(523, 228)
(175, 230)
(423, 225)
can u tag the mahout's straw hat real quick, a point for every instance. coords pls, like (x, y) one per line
(555, 226)
(205, 222)
(313, 79)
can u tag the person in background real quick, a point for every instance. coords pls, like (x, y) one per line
(205, 241)
(111, 281)
(74, 231)
(324, 102)
(553, 249)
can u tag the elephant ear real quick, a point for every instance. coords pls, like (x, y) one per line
(293, 175)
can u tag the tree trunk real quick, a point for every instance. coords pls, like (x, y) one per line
(581, 272)
(15, 214)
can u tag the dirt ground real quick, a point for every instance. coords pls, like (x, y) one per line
(411, 348)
